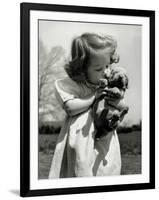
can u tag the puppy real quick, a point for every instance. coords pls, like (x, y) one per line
(108, 114)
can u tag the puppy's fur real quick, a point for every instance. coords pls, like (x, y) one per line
(108, 114)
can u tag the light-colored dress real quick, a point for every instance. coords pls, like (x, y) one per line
(77, 152)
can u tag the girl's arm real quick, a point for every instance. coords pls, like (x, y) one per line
(77, 105)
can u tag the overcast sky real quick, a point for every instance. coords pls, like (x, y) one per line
(128, 37)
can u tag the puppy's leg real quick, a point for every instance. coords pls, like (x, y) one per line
(113, 122)
(123, 113)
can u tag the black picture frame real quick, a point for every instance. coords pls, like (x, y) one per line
(25, 9)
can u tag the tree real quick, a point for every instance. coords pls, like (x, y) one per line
(51, 67)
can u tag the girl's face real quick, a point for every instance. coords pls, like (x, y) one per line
(99, 67)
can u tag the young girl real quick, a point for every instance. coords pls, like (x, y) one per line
(77, 152)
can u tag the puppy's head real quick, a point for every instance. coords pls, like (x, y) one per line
(103, 83)
(118, 78)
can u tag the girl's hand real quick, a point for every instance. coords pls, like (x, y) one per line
(112, 94)
(100, 93)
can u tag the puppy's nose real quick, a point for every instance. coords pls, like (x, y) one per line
(106, 73)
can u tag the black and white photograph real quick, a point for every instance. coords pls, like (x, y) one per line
(87, 99)
(90, 121)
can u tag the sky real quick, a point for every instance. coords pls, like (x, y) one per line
(58, 33)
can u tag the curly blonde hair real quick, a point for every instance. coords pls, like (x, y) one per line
(82, 48)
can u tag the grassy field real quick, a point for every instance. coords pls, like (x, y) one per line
(130, 150)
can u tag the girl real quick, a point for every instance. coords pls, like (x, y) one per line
(77, 153)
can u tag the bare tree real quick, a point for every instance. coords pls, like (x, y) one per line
(50, 68)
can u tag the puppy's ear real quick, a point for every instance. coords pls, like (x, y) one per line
(126, 82)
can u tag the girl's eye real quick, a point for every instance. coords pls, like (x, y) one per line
(106, 66)
(98, 70)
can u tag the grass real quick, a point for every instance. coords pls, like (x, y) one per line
(130, 151)
(130, 143)
(131, 164)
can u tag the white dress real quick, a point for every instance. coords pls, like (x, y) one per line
(77, 152)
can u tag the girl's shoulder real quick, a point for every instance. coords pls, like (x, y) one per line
(70, 86)
(67, 85)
